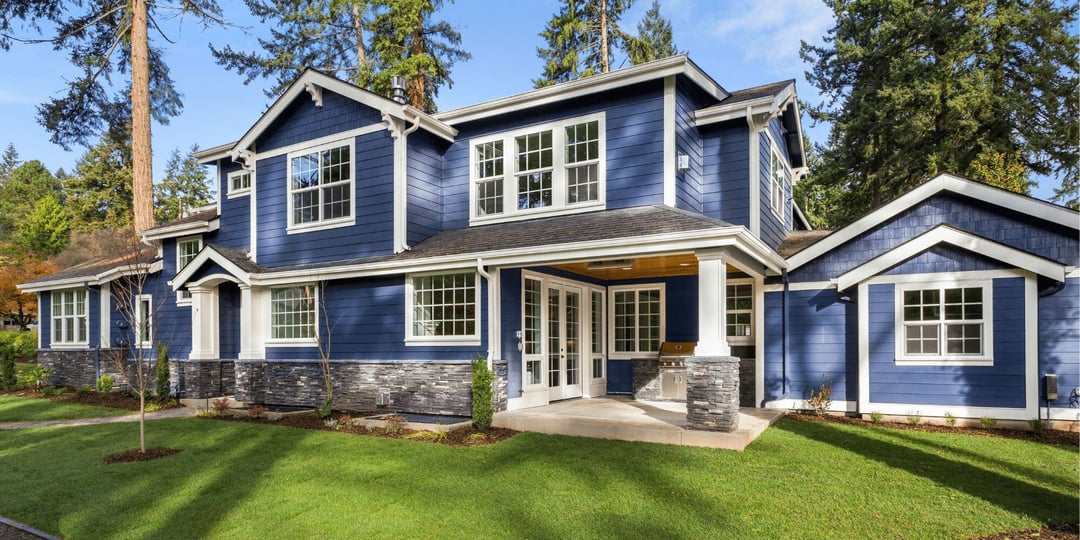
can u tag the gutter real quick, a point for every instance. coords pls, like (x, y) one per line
(493, 329)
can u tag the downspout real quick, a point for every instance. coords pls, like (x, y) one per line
(490, 313)
(404, 171)
(784, 343)
(97, 346)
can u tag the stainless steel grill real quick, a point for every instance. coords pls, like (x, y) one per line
(672, 358)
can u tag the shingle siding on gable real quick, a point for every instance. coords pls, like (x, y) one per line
(944, 258)
(235, 220)
(635, 147)
(1003, 226)
(689, 188)
(726, 172)
(425, 186)
(372, 234)
(302, 120)
(1059, 341)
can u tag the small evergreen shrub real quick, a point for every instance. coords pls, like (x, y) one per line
(8, 376)
(482, 408)
(987, 422)
(84, 391)
(105, 384)
(35, 377)
(162, 372)
(950, 420)
(876, 417)
(821, 399)
(1037, 425)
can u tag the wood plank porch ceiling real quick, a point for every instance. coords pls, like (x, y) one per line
(682, 264)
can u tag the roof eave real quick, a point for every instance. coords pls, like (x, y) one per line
(90, 279)
(184, 229)
(732, 111)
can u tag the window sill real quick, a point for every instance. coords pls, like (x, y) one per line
(651, 355)
(303, 342)
(977, 361)
(522, 215)
(69, 346)
(238, 194)
(320, 226)
(464, 341)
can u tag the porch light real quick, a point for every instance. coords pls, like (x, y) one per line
(625, 264)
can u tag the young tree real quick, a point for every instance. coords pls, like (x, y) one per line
(46, 230)
(9, 160)
(17, 266)
(654, 38)
(28, 183)
(99, 193)
(581, 40)
(186, 186)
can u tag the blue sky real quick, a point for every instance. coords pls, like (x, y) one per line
(740, 43)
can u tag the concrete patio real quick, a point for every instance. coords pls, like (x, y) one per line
(626, 419)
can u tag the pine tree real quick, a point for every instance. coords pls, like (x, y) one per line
(654, 38)
(99, 193)
(45, 231)
(186, 186)
(581, 40)
(27, 184)
(8, 162)
(912, 90)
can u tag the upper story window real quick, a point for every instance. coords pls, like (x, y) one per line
(949, 323)
(69, 322)
(321, 186)
(780, 177)
(239, 182)
(186, 250)
(553, 168)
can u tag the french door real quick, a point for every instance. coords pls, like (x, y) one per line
(563, 321)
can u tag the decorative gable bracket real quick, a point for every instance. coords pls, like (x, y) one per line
(315, 91)
(243, 157)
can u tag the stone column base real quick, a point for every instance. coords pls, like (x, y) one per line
(712, 393)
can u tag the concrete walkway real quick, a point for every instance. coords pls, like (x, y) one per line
(75, 422)
(626, 419)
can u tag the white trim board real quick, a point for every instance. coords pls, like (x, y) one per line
(801, 404)
(669, 141)
(941, 183)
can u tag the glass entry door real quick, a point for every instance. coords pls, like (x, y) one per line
(563, 342)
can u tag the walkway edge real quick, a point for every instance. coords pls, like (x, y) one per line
(27, 529)
(98, 420)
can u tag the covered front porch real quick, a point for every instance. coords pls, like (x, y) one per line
(626, 419)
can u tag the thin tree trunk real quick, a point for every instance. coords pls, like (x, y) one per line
(142, 416)
(605, 66)
(141, 151)
(361, 53)
(416, 85)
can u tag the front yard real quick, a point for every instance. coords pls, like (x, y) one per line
(799, 480)
(25, 409)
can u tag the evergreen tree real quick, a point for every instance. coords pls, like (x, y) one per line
(46, 230)
(27, 184)
(186, 186)
(581, 40)
(654, 38)
(912, 90)
(8, 162)
(99, 193)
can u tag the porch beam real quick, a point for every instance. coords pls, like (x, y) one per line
(712, 305)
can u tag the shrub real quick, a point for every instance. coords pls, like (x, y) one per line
(950, 420)
(35, 377)
(105, 384)
(256, 412)
(220, 405)
(476, 438)
(914, 418)
(22, 344)
(84, 391)
(482, 408)
(8, 376)
(152, 406)
(344, 422)
(987, 422)
(324, 410)
(162, 371)
(394, 423)
(1037, 425)
(429, 436)
(876, 417)
(821, 399)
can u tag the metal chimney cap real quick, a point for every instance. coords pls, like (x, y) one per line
(397, 89)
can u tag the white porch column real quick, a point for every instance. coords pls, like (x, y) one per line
(246, 326)
(254, 306)
(712, 305)
(204, 323)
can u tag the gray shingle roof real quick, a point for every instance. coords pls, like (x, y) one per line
(755, 92)
(796, 241)
(239, 257)
(91, 269)
(204, 216)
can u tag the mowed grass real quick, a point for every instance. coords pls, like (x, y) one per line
(799, 480)
(20, 409)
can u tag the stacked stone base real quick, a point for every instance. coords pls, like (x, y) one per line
(82, 367)
(200, 379)
(712, 393)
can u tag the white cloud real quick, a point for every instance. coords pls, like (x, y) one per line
(769, 32)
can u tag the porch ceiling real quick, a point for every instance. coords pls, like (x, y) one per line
(681, 264)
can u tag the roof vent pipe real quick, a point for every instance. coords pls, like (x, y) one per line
(397, 89)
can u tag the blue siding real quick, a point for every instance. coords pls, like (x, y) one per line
(45, 319)
(726, 173)
(302, 120)
(235, 220)
(510, 282)
(1017, 230)
(228, 321)
(688, 141)
(773, 229)
(944, 258)
(171, 324)
(367, 320)
(1000, 385)
(425, 186)
(1059, 343)
(372, 233)
(93, 316)
(635, 147)
(822, 341)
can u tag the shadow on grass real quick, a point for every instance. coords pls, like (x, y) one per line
(1020, 496)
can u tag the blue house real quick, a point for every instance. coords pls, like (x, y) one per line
(565, 234)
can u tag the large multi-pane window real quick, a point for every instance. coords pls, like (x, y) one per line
(557, 166)
(530, 339)
(443, 307)
(637, 319)
(740, 311)
(780, 177)
(69, 322)
(292, 312)
(320, 185)
(946, 322)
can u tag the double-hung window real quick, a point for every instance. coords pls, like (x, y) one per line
(443, 308)
(321, 186)
(780, 176)
(144, 320)
(951, 323)
(239, 182)
(637, 319)
(69, 322)
(740, 311)
(292, 313)
(186, 250)
(553, 168)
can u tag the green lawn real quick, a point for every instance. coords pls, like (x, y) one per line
(20, 409)
(799, 480)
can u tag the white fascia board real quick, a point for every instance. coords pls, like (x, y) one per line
(183, 229)
(799, 213)
(732, 238)
(944, 234)
(208, 254)
(943, 182)
(732, 111)
(211, 155)
(659, 69)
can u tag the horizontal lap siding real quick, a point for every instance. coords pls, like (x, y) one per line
(235, 220)
(171, 323)
(302, 120)
(372, 233)
(635, 155)
(228, 321)
(822, 341)
(773, 229)
(45, 319)
(367, 320)
(688, 141)
(425, 187)
(1006, 227)
(999, 385)
(1059, 342)
(726, 173)
(510, 282)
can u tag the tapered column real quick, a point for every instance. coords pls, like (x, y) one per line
(712, 305)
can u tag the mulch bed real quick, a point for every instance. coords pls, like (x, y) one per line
(1046, 436)
(1061, 532)
(466, 436)
(134, 456)
(112, 400)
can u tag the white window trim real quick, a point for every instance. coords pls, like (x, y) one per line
(744, 340)
(472, 340)
(230, 192)
(617, 355)
(777, 203)
(558, 173)
(53, 318)
(138, 329)
(322, 224)
(603, 333)
(984, 359)
(182, 300)
(539, 357)
(290, 342)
